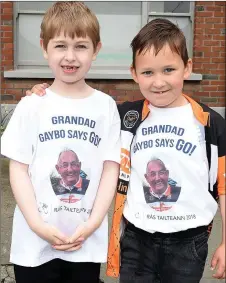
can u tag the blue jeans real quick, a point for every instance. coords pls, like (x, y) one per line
(163, 258)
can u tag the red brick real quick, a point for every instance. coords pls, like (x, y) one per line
(212, 54)
(6, 28)
(125, 86)
(213, 8)
(199, 20)
(7, 17)
(219, 14)
(6, 5)
(221, 88)
(7, 11)
(221, 66)
(8, 46)
(204, 26)
(217, 93)
(203, 93)
(217, 48)
(9, 85)
(205, 14)
(117, 92)
(7, 34)
(211, 43)
(220, 3)
(217, 83)
(219, 25)
(212, 31)
(209, 88)
(7, 39)
(218, 60)
(219, 37)
(203, 60)
(213, 20)
(14, 91)
(7, 62)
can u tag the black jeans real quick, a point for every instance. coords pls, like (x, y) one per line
(59, 271)
(163, 258)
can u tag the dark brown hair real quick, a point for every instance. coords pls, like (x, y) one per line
(157, 33)
(71, 17)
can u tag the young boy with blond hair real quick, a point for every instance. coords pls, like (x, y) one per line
(62, 235)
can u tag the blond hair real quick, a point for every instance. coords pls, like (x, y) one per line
(72, 18)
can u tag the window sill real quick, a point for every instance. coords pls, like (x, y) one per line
(110, 74)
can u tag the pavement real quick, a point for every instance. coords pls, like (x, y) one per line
(7, 208)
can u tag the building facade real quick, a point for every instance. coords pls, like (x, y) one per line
(203, 23)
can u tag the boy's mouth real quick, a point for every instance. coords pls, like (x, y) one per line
(69, 69)
(160, 92)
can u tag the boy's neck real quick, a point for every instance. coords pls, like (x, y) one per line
(77, 90)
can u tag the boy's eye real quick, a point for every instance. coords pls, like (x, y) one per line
(147, 73)
(60, 46)
(81, 46)
(168, 70)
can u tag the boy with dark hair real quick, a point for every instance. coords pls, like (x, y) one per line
(167, 243)
(64, 239)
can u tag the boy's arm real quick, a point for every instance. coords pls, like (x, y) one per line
(105, 194)
(218, 259)
(219, 256)
(24, 194)
(222, 208)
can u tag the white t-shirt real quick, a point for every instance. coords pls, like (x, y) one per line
(40, 130)
(174, 195)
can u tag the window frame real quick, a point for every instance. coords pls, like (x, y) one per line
(111, 73)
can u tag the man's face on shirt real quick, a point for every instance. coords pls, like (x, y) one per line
(157, 176)
(69, 167)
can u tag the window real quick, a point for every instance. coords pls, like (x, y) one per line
(179, 12)
(119, 23)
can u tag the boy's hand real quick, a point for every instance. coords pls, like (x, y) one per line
(82, 232)
(67, 247)
(218, 261)
(38, 89)
(51, 234)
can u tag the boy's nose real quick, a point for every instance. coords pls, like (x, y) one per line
(70, 55)
(158, 82)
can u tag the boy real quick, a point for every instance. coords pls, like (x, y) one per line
(173, 139)
(61, 209)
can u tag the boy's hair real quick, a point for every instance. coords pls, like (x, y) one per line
(157, 33)
(71, 17)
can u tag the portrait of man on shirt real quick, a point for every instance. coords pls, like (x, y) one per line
(160, 188)
(72, 184)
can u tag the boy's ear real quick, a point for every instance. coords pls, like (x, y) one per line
(133, 73)
(188, 69)
(43, 49)
(99, 45)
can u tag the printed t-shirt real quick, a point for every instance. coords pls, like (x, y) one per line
(168, 189)
(65, 142)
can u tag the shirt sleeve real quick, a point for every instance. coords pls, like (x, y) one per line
(17, 139)
(221, 176)
(113, 144)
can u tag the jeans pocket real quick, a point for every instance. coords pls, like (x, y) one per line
(200, 247)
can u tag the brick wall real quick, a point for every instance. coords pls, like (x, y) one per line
(208, 59)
